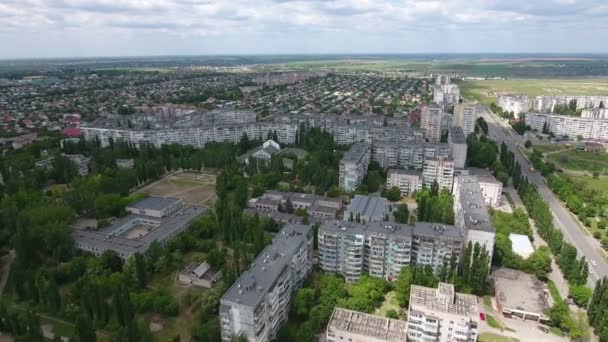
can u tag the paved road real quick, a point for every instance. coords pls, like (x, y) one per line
(562, 219)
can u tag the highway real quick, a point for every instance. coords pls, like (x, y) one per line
(562, 219)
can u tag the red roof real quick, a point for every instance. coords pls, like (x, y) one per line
(71, 132)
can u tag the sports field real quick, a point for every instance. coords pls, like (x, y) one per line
(192, 187)
(485, 91)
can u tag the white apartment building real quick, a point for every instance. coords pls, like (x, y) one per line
(514, 103)
(446, 94)
(465, 117)
(430, 122)
(382, 249)
(441, 315)
(491, 189)
(407, 181)
(458, 147)
(353, 326)
(353, 166)
(440, 170)
(595, 113)
(573, 127)
(546, 103)
(258, 303)
(442, 79)
(471, 213)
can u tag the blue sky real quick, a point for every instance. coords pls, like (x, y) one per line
(64, 28)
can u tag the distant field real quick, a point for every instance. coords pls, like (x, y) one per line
(485, 91)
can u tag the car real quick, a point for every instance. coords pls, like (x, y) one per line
(593, 262)
(482, 316)
(590, 271)
(543, 329)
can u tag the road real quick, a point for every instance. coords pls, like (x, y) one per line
(562, 219)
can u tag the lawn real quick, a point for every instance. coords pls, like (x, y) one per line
(487, 302)
(581, 161)
(390, 303)
(549, 148)
(489, 337)
(485, 91)
(494, 323)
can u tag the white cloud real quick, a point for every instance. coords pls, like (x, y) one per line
(244, 26)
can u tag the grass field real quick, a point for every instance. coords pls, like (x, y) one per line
(489, 337)
(485, 91)
(390, 303)
(192, 187)
(600, 184)
(580, 161)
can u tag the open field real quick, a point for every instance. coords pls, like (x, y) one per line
(580, 161)
(192, 187)
(485, 91)
(600, 184)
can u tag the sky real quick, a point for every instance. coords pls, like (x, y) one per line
(80, 28)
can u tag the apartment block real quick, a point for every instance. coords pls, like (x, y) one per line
(458, 147)
(382, 249)
(353, 326)
(441, 315)
(546, 103)
(586, 128)
(440, 170)
(430, 122)
(407, 181)
(465, 117)
(407, 153)
(353, 166)
(258, 303)
(471, 213)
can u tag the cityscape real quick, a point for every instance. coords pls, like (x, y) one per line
(181, 185)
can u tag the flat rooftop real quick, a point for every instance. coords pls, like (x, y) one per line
(366, 325)
(521, 245)
(457, 135)
(475, 211)
(443, 299)
(517, 290)
(253, 284)
(356, 152)
(435, 230)
(373, 207)
(154, 203)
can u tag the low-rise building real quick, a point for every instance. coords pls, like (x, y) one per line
(368, 209)
(316, 206)
(261, 154)
(201, 275)
(441, 315)
(521, 295)
(151, 219)
(258, 303)
(407, 181)
(353, 326)
(353, 166)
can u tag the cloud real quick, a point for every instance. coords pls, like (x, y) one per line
(117, 27)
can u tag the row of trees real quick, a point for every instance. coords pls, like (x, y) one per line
(598, 309)
(435, 206)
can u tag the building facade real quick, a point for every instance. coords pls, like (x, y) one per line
(258, 303)
(430, 122)
(441, 315)
(571, 126)
(407, 181)
(465, 117)
(458, 147)
(440, 170)
(353, 166)
(382, 249)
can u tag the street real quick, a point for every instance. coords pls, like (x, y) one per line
(586, 245)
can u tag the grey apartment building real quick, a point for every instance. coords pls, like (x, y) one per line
(353, 166)
(382, 249)
(258, 303)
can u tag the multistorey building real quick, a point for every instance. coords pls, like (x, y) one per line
(465, 117)
(407, 181)
(546, 103)
(382, 249)
(595, 113)
(440, 170)
(446, 94)
(430, 122)
(353, 326)
(258, 303)
(572, 126)
(471, 213)
(491, 189)
(407, 153)
(353, 166)
(441, 315)
(458, 147)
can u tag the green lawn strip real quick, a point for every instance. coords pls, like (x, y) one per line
(487, 302)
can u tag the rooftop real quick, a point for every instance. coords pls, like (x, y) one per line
(521, 245)
(354, 322)
(356, 152)
(375, 208)
(154, 203)
(435, 230)
(457, 135)
(253, 284)
(476, 216)
(443, 299)
(520, 291)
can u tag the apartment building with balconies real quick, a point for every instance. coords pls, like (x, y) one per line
(440, 170)
(353, 166)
